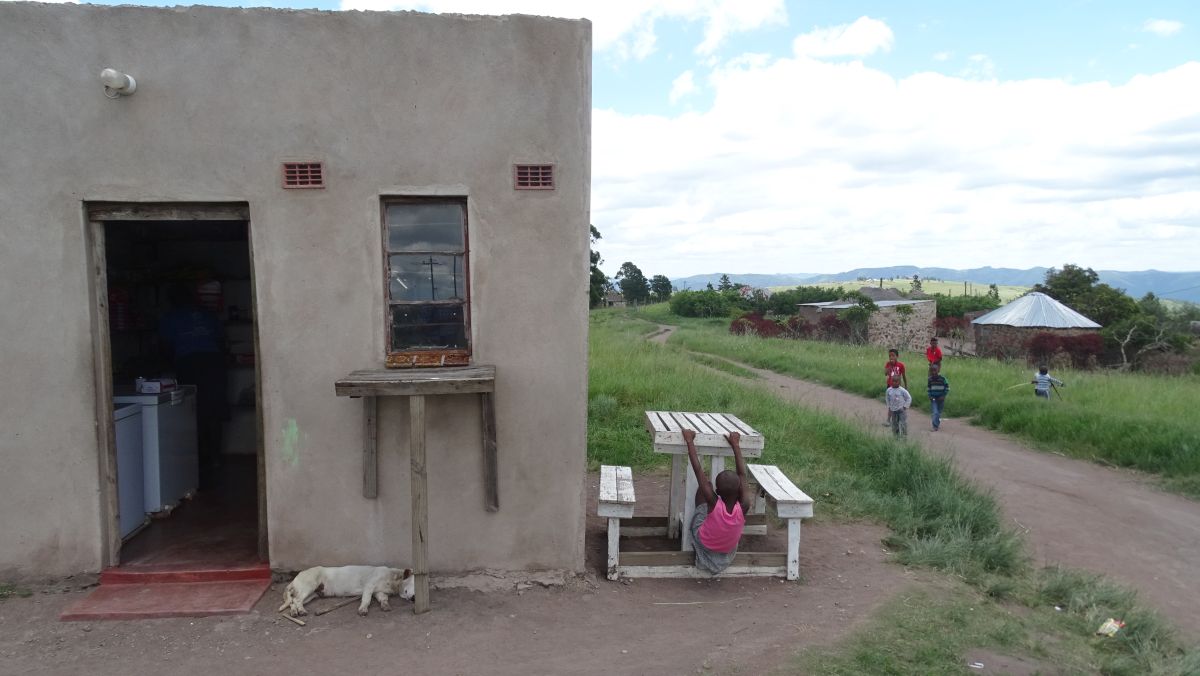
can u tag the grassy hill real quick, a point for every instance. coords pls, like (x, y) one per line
(1007, 292)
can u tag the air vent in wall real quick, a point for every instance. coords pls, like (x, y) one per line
(533, 176)
(303, 175)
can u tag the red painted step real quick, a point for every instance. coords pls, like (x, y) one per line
(136, 592)
(167, 599)
(165, 573)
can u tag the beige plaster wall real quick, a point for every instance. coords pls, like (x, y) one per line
(393, 103)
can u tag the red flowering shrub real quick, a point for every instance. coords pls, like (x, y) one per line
(832, 327)
(752, 322)
(1084, 349)
(798, 327)
(1043, 345)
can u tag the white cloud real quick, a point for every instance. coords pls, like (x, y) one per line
(804, 165)
(862, 38)
(1162, 27)
(623, 28)
(682, 86)
(980, 67)
(942, 56)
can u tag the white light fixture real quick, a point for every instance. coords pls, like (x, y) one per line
(116, 83)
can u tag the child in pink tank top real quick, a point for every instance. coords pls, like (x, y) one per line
(720, 514)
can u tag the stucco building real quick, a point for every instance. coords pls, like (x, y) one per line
(341, 189)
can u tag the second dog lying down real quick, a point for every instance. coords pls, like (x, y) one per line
(376, 582)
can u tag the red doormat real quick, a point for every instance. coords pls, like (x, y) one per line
(137, 593)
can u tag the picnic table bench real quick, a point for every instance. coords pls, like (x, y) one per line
(773, 489)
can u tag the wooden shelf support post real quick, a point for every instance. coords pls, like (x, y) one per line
(420, 502)
(491, 480)
(370, 447)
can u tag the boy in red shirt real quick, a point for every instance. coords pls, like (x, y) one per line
(934, 353)
(894, 370)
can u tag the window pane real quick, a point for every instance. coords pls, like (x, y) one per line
(425, 227)
(417, 277)
(428, 327)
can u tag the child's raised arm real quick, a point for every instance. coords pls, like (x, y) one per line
(706, 490)
(735, 440)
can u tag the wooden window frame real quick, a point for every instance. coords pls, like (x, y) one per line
(427, 357)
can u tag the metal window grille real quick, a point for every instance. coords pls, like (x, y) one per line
(303, 175)
(533, 176)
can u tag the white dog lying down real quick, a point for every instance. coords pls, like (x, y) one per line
(365, 581)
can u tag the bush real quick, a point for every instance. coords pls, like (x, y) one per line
(785, 302)
(1043, 345)
(700, 304)
(754, 323)
(832, 327)
(957, 306)
(1084, 349)
(799, 327)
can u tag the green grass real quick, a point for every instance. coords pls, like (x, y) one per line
(1144, 422)
(989, 599)
(10, 590)
(933, 628)
(938, 518)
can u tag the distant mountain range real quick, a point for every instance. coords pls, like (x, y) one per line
(1175, 285)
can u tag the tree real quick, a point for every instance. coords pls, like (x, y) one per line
(859, 315)
(660, 288)
(994, 294)
(707, 303)
(598, 284)
(916, 284)
(1068, 285)
(724, 284)
(633, 283)
(1154, 328)
(1078, 288)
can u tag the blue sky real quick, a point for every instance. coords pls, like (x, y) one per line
(818, 136)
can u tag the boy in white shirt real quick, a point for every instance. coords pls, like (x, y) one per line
(898, 401)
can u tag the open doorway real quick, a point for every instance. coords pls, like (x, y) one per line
(182, 371)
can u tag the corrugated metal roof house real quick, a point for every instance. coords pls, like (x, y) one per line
(1037, 310)
(1005, 331)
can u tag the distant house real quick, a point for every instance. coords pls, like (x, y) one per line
(1006, 330)
(614, 299)
(889, 326)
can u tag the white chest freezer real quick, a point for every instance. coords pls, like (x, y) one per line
(170, 457)
(131, 492)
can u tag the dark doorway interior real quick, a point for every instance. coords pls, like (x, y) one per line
(181, 308)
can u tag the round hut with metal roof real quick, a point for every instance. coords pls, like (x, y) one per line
(1006, 331)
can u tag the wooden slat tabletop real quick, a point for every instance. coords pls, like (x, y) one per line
(666, 428)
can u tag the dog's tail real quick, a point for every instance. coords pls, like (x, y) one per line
(287, 598)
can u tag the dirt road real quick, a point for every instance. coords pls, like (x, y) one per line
(589, 626)
(1074, 513)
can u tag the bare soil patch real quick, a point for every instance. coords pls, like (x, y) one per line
(589, 626)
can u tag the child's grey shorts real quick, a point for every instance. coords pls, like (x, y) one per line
(713, 562)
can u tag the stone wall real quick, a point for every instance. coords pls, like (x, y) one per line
(889, 328)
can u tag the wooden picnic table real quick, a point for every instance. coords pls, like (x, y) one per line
(666, 428)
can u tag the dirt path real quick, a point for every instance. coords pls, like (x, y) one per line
(588, 626)
(1073, 512)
